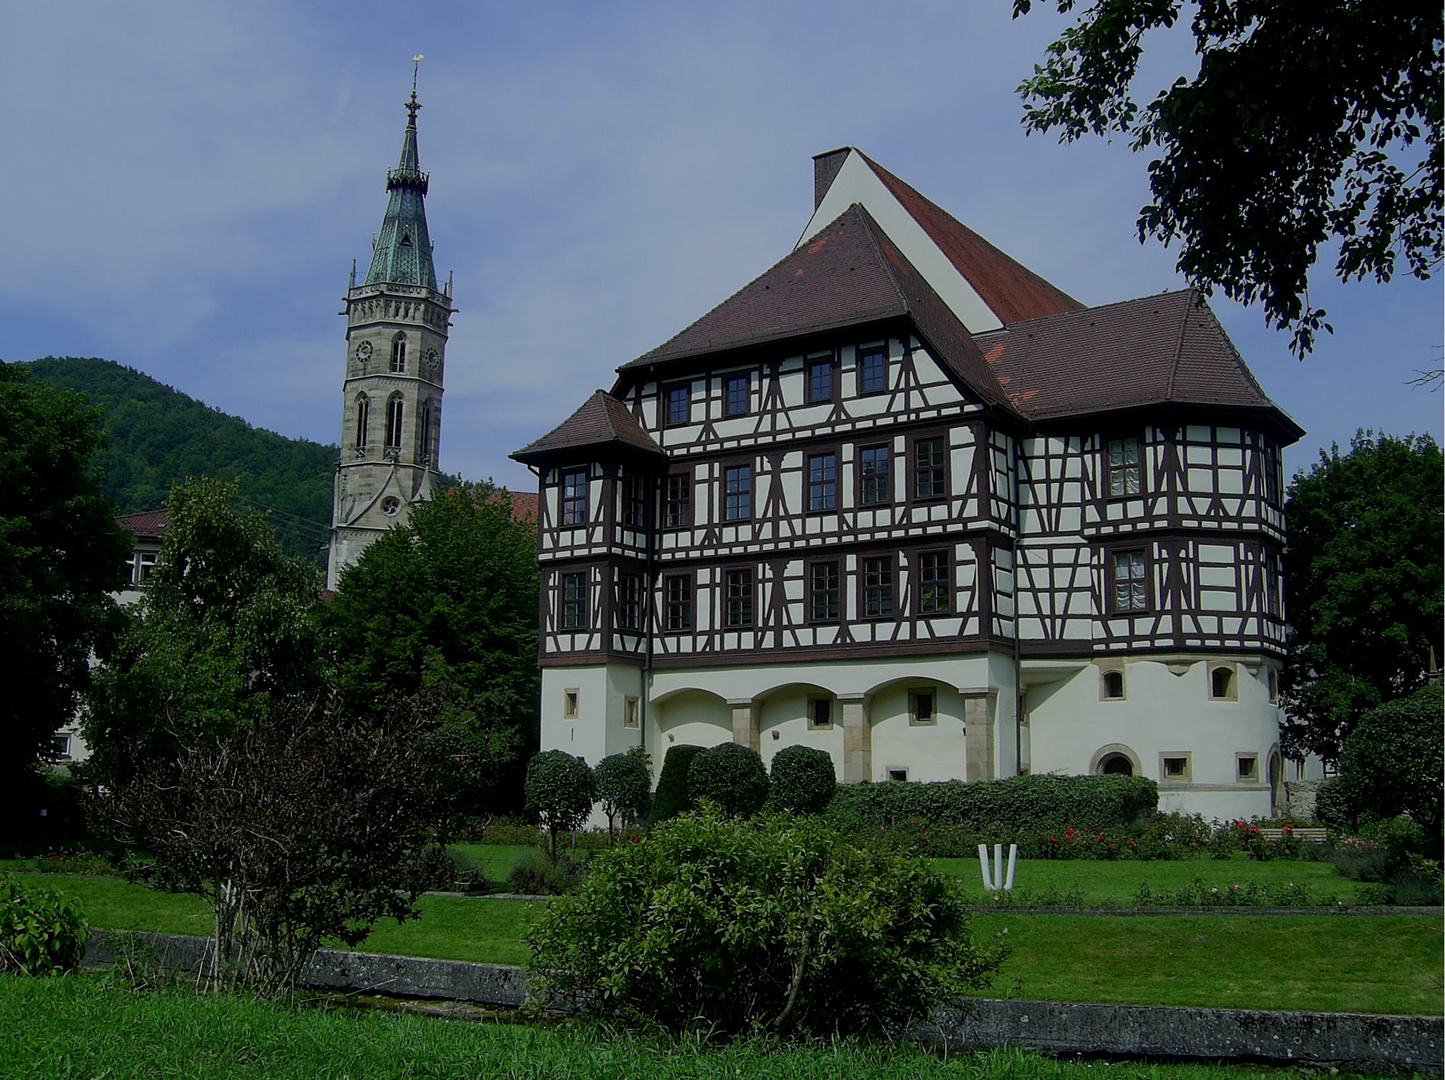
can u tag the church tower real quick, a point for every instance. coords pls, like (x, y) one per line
(396, 339)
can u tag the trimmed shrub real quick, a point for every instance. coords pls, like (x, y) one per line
(803, 780)
(731, 775)
(672, 796)
(1021, 802)
(41, 932)
(534, 874)
(623, 784)
(560, 791)
(1393, 759)
(720, 925)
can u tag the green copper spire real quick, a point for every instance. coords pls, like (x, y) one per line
(401, 253)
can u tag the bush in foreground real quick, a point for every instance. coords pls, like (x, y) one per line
(731, 775)
(803, 780)
(41, 932)
(724, 926)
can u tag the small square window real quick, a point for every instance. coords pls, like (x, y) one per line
(820, 712)
(822, 483)
(629, 712)
(60, 746)
(677, 405)
(874, 463)
(900, 775)
(930, 469)
(922, 706)
(872, 369)
(738, 493)
(1124, 473)
(570, 700)
(1246, 766)
(823, 591)
(821, 377)
(737, 395)
(1174, 767)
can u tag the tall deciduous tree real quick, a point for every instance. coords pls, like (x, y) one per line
(1363, 571)
(1306, 123)
(448, 604)
(60, 556)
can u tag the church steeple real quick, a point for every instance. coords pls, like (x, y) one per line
(401, 252)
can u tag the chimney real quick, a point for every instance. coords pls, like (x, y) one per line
(825, 168)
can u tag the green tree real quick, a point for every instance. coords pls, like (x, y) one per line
(1363, 575)
(731, 775)
(673, 796)
(803, 780)
(1305, 124)
(448, 603)
(60, 556)
(1392, 761)
(560, 791)
(623, 784)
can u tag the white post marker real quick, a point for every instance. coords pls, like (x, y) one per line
(998, 866)
(983, 867)
(1013, 854)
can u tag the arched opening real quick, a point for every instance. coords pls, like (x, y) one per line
(1115, 759)
(1116, 765)
(363, 419)
(1113, 684)
(1277, 798)
(394, 410)
(398, 354)
(426, 452)
(1221, 683)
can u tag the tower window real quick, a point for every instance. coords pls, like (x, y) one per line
(634, 500)
(678, 610)
(574, 497)
(1131, 591)
(629, 602)
(398, 354)
(1221, 683)
(574, 601)
(395, 409)
(426, 453)
(1124, 476)
(679, 501)
(1113, 684)
(933, 582)
(363, 418)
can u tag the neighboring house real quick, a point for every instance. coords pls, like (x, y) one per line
(903, 500)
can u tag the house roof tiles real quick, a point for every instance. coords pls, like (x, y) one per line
(601, 420)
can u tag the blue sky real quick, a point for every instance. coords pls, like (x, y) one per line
(188, 184)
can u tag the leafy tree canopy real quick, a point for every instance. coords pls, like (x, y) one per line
(1305, 124)
(1392, 761)
(60, 555)
(448, 603)
(624, 782)
(1363, 574)
(561, 789)
(731, 775)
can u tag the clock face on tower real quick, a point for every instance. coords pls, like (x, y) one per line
(433, 359)
(363, 351)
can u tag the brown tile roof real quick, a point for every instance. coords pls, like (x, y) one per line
(1150, 351)
(524, 504)
(146, 525)
(602, 420)
(850, 273)
(1010, 289)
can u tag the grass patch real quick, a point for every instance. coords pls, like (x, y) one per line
(496, 860)
(80, 1026)
(1118, 882)
(1326, 963)
(459, 928)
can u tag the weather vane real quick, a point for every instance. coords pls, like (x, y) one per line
(413, 105)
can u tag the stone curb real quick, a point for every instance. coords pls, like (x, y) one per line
(1221, 909)
(1394, 1044)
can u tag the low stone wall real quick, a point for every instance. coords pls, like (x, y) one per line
(1377, 1044)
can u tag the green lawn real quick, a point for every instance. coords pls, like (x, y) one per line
(82, 1026)
(1331, 963)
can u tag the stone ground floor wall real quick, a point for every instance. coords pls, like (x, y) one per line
(951, 717)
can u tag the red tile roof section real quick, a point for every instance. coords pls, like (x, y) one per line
(1010, 289)
(1150, 351)
(146, 525)
(602, 420)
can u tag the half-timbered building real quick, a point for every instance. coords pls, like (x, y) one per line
(903, 500)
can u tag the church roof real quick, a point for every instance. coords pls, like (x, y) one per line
(601, 421)
(849, 273)
(401, 253)
(1162, 349)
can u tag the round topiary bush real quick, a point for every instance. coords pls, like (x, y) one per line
(560, 791)
(720, 925)
(731, 775)
(673, 796)
(803, 780)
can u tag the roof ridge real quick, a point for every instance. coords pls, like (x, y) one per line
(1179, 346)
(1169, 294)
(871, 230)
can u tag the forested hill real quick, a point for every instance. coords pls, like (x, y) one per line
(158, 436)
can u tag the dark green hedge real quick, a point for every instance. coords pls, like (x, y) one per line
(1020, 802)
(672, 796)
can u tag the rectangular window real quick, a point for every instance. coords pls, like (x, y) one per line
(823, 482)
(872, 369)
(142, 563)
(1123, 468)
(1174, 766)
(677, 405)
(930, 469)
(1131, 592)
(898, 775)
(820, 379)
(921, 707)
(574, 497)
(60, 746)
(570, 702)
(634, 500)
(823, 591)
(629, 712)
(574, 601)
(737, 395)
(738, 493)
(820, 712)
(1246, 766)
(874, 465)
(678, 512)
(629, 602)
(677, 607)
(933, 582)
(740, 597)
(878, 587)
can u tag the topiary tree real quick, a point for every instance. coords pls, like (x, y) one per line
(673, 796)
(803, 780)
(723, 925)
(623, 784)
(731, 775)
(1392, 761)
(560, 791)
